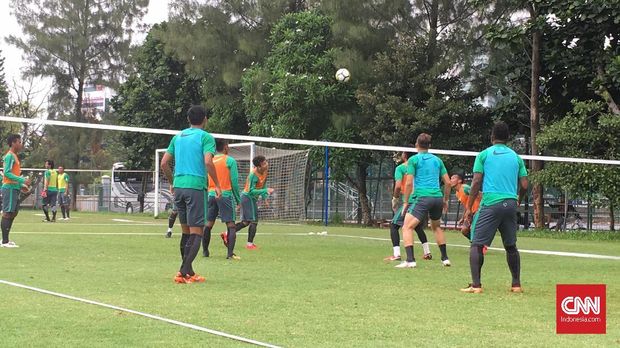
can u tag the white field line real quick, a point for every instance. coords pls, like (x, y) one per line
(525, 251)
(150, 316)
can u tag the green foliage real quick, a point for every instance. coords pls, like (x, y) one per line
(408, 97)
(4, 89)
(293, 93)
(75, 43)
(587, 131)
(156, 94)
(218, 41)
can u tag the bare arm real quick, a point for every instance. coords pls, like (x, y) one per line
(397, 192)
(165, 167)
(446, 191)
(523, 183)
(474, 190)
(408, 191)
(213, 173)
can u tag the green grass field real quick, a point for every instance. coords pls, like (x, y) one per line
(297, 290)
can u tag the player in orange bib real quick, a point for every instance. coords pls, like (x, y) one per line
(462, 193)
(12, 182)
(254, 188)
(225, 206)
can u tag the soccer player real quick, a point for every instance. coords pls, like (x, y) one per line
(500, 172)
(225, 205)
(12, 182)
(50, 191)
(63, 193)
(171, 219)
(193, 150)
(398, 199)
(462, 194)
(423, 173)
(254, 188)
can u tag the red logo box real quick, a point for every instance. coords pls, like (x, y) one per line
(580, 309)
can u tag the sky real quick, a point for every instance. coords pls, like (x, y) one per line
(13, 64)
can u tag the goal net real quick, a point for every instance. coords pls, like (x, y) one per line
(286, 175)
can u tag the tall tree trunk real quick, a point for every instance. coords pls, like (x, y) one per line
(537, 189)
(76, 157)
(363, 197)
(604, 93)
(612, 217)
(433, 20)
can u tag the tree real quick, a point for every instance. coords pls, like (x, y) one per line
(570, 47)
(217, 41)
(4, 89)
(293, 94)
(407, 99)
(156, 94)
(75, 42)
(598, 137)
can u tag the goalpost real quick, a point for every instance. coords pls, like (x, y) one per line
(160, 179)
(286, 175)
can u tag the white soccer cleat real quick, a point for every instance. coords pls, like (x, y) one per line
(406, 264)
(10, 244)
(446, 263)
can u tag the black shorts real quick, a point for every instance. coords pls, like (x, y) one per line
(489, 219)
(426, 206)
(51, 198)
(10, 200)
(224, 207)
(249, 209)
(399, 217)
(191, 205)
(63, 198)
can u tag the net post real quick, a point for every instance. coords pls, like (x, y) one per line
(252, 154)
(156, 207)
(326, 188)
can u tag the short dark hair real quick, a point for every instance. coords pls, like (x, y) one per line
(408, 154)
(424, 140)
(500, 131)
(460, 174)
(220, 144)
(258, 160)
(51, 162)
(12, 138)
(196, 114)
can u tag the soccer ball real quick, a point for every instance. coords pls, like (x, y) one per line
(343, 75)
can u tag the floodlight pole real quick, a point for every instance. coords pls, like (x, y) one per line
(326, 188)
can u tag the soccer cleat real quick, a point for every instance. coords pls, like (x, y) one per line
(428, 256)
(180, 279)
(446, 263)
(406, 264)
(197, 278)
(516, 289)
(224, 236)
(233, 257)
(169, 234)
(205, 253)
(10, 244)
(472, 290)
(251, 246)
(392, 258)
